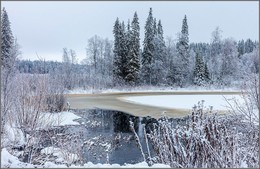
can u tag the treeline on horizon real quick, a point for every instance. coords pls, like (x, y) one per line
(47, 66)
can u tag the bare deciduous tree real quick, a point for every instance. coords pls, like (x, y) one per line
(249, 105)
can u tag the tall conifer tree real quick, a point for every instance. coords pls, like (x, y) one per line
(148, 50)
(116, 64)
(133, 67)
(183, 53)
(7, 40)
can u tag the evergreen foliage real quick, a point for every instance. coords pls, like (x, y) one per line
(116, 64)
(7, 40)
(249, 46)
(120, 52)
(206, 74)
(183, 53)
(241, 47)
(199, 72)
(158, 64)
(148, 48)
(133, 65)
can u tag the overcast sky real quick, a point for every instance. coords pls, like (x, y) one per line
(46, 28)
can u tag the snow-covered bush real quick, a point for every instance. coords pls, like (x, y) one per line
(55, 99)
(208, 140)
(55, 102)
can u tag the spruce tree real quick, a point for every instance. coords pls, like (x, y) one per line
(128, 35)
(162, 48)
(160, 29)
(158, 64)
(120, 52)
(148, 49)
(116, 64)
(199, 71)
(241, 47)
(183, 53)
(7, 40)
(128, 26)
(206, 74)
(123, 51)
(155, 27)
(133, 66)
(249, 46)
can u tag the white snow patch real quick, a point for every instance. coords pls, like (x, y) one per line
(10, 161)
(12, 136)
(59, 119)
(183, 101)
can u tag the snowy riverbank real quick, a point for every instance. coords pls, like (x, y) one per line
(10, 161)
(14, 137)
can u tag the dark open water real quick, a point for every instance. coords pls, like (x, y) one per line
(103, 136)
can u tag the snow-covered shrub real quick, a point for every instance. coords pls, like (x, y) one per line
(55, 99)
(208, 140)
(55, 102)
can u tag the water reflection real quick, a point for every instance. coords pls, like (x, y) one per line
(122, 122)
(108, 138)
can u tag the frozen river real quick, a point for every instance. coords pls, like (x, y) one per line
(142, 104)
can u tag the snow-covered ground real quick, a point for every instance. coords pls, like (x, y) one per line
(14, 135)
(183, 101)
(10, 161)
(59, 119)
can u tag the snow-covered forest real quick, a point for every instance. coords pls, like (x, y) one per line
(129, 61)
(34, 97)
